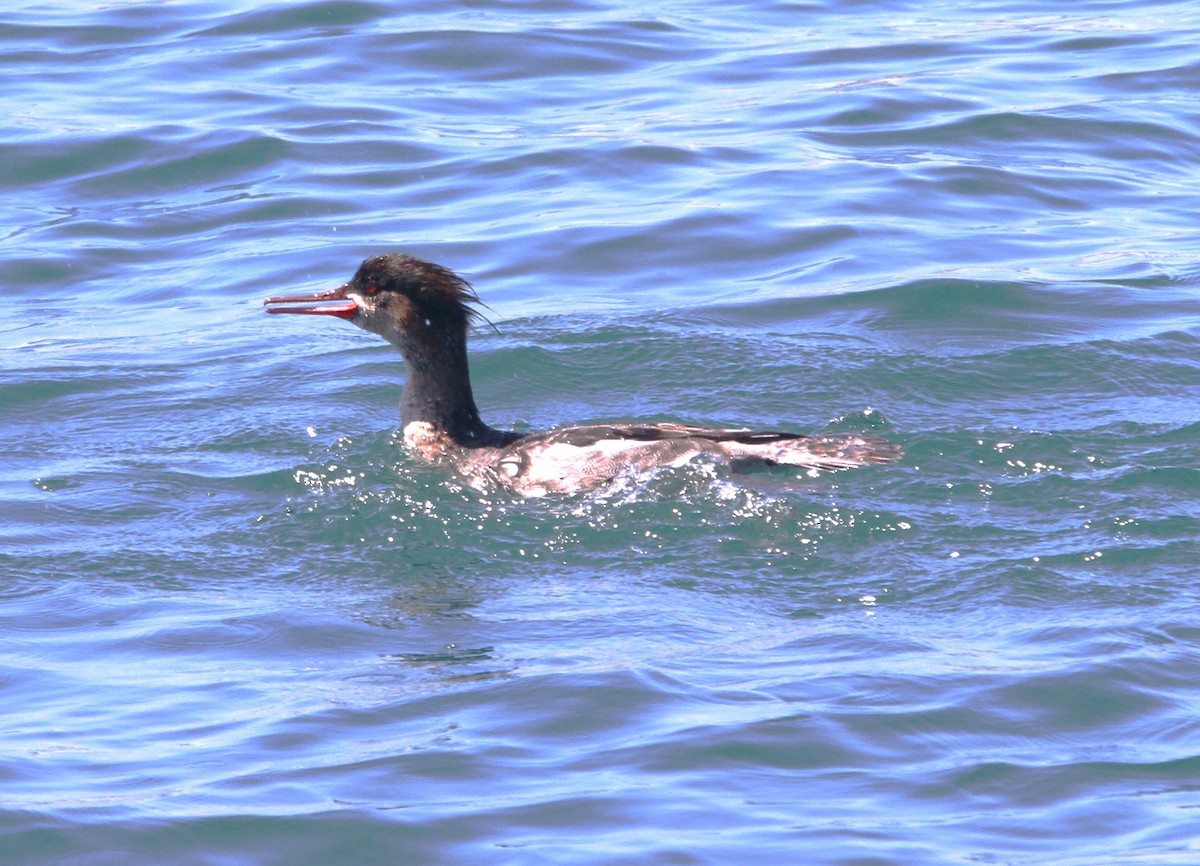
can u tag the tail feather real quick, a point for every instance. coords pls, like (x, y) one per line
(828, 452)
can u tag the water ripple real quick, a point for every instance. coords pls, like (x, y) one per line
(236, 611)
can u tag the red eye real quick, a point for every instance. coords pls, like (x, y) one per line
(371, 288)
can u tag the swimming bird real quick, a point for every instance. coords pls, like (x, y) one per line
(426, 311)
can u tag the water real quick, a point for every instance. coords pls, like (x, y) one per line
(239, 626)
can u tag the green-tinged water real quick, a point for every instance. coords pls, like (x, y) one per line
(240, 627)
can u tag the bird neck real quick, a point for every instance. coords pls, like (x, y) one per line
(437, 392)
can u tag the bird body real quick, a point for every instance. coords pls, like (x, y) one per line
(425, 310)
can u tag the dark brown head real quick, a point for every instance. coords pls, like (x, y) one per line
(409, 302)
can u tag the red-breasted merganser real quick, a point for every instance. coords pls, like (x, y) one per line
(425, 311)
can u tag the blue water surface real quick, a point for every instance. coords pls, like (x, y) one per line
(240, 625)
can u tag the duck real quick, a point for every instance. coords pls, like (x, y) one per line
(426, 311)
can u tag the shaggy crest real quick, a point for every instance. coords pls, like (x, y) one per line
(432, 288)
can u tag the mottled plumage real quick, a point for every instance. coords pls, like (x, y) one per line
(425, 310)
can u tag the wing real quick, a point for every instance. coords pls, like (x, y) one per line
(572, 459)
(582, 437)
